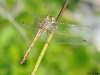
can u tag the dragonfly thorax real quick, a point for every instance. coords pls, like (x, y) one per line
(50, 18)
(47, 23)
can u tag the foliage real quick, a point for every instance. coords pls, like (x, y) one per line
(58, 59)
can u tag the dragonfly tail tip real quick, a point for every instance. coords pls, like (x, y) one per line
(22, 61)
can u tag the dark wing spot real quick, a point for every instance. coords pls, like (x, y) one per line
(22, 22)
(84, 40)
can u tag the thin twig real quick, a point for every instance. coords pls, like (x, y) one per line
(48, 40)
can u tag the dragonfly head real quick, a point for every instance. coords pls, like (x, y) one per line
(50, 18)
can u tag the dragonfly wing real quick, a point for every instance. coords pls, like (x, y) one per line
(37, 19)
(71, 34)
(34, 27)
(30, 28)
(63, 39)
(66, 39)
(72, 29)
(44, 35)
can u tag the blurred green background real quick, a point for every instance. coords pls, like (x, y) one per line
(58, 59)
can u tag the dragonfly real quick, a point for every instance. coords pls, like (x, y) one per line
(63, 33)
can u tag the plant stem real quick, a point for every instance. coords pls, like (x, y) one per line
(48, 40)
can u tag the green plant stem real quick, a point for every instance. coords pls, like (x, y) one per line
(48, 40)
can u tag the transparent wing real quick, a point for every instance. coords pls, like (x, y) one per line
(30, 28)
(34, 27)
(37, 19)
(67, 34)
(71, 29)
(64, 39)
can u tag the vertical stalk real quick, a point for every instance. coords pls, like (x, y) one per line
(48, 40)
